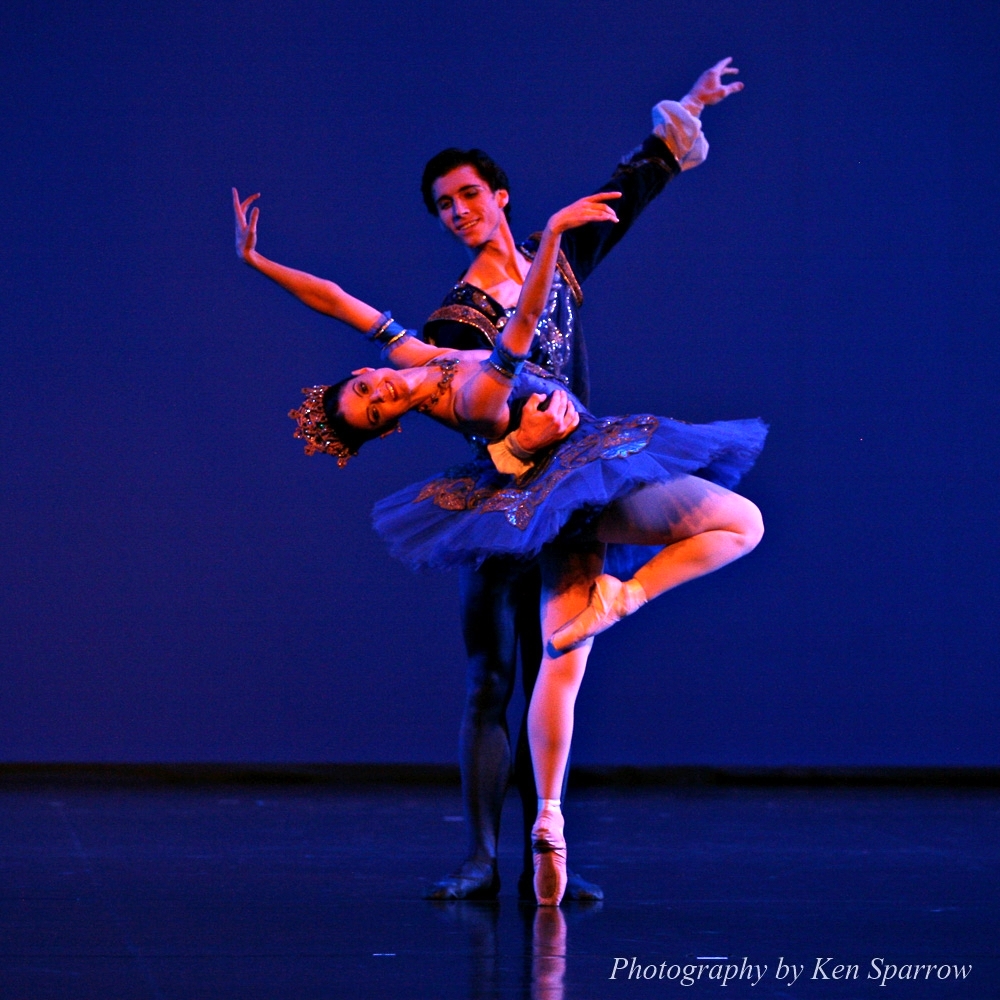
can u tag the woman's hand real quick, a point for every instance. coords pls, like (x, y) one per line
(519, 332)
(709, 88)
(246, 232)
(593, 208)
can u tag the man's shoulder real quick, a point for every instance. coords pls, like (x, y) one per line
(529, 248)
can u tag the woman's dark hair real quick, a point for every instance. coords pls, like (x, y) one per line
(352, 437)
(449, 159)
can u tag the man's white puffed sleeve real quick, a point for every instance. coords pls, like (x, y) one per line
(507, 457)
(681, 132)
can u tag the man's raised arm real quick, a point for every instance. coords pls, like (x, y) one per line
(676, 144)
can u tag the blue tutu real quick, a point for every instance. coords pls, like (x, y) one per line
(473, 512)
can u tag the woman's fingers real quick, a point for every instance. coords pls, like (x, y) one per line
(593, 208)
(597, 210)
(240, 207)
(599, 202)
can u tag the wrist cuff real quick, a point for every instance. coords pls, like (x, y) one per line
(504, 460)
(516, 450)
(385, 331)
(681, 133)
(506, 363)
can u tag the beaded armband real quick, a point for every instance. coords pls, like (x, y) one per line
(386, 332)
(506, 363)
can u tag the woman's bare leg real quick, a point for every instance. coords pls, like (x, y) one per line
(566, 583)
(701, 527)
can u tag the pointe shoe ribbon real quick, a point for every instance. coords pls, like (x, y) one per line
(610, 601)
(548, 853)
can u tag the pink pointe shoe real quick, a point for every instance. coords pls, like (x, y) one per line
(548, 852)
(610, 602)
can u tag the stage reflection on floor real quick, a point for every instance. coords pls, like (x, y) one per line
(315, 892)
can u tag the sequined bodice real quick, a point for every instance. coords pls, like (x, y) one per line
(553, 344)
(470, 318)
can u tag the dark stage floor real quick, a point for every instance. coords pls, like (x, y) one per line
(299, 892)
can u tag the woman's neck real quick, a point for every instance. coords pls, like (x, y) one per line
(430, 385)
(421, 383)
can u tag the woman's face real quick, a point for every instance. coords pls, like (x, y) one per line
(374, 398)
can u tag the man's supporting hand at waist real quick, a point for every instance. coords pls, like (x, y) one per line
(541, 427)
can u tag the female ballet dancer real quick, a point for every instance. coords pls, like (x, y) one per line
(631, 481)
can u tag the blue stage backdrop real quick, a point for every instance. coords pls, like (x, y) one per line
(183, 584)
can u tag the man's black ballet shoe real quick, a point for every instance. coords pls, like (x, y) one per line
(581, 891)
(474, 880)
(578, 889)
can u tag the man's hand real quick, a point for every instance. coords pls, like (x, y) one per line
(541, 428)
(709, 88)
(246, 232)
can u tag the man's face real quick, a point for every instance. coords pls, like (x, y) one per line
(467, 207)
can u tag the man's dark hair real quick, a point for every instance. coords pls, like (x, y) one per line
(352, 437)
(448, 159)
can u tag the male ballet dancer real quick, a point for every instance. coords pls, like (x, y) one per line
(469, 193)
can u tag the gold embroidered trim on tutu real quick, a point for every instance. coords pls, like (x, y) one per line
(484, 490)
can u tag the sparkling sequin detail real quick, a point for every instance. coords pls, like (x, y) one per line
(315, 430)
(554, 327)
(553, 344)
(448, 366)
(554, 331)
(474, 487)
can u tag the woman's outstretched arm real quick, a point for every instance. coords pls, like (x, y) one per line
(317, 293)
(320, 294)
(520, 331)
(483, 398)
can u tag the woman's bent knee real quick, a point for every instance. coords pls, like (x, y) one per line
(751, 525)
